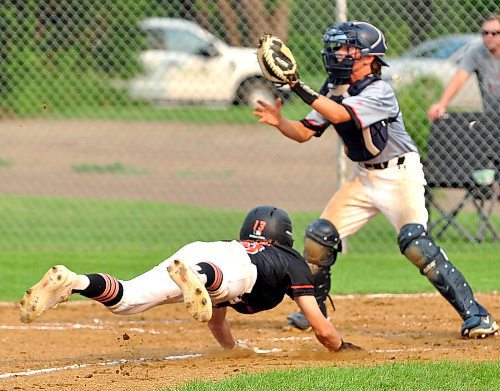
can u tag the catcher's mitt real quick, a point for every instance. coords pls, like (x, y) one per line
(276, 60)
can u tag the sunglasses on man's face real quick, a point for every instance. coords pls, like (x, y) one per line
(492, 33)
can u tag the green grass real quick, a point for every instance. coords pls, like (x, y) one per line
(126, 238)
(5, 163)
(418, 376)
(393, 273)
(113, 168)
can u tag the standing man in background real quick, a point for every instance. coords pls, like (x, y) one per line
(482, 59)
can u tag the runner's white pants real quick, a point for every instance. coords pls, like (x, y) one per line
(156, 287)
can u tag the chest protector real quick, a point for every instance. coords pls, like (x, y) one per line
(362, 144)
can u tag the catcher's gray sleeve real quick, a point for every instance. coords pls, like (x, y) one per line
(377, 102)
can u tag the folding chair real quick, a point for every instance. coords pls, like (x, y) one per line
(463, 153)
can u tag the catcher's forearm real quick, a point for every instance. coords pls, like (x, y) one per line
(294, 130)
(304, 92)
(331, 110)
(328, 108)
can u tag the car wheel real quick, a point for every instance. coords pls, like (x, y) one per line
(253, 89)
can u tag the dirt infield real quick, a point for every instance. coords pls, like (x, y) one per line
(82, 346)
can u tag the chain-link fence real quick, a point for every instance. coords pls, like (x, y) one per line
(143, 106)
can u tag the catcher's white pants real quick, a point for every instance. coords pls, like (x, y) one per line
(398, 192)
(156, 287)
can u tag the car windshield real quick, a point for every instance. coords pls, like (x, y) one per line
(184, 41)
(439, 48)
(175, 40)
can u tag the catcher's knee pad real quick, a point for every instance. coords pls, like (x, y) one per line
(321, 243)
(433, 262)
(416, 245)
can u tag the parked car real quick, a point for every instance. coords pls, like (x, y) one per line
(186, 64)
(436, 58)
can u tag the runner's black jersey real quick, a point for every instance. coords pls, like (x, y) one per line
(280, 270)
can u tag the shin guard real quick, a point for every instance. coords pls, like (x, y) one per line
(434, 264)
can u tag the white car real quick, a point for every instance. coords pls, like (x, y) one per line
(186, 64)
(436, 58)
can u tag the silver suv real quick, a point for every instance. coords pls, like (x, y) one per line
(186, 64)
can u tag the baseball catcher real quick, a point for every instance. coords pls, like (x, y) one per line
(388, 177)
(251, 274)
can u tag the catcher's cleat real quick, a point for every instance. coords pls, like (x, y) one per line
(55, 287)
(298, 322)
(195, 294)
(479, 326)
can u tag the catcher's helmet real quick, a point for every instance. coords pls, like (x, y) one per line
(267, 223)
(362, 35)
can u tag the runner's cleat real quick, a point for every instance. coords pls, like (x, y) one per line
(55, 287)
(195, 294)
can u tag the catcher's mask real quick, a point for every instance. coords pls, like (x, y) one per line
(369, 39)
(267, 223)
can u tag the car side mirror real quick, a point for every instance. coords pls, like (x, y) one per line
(209, 51)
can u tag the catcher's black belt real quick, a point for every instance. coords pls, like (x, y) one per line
(380, 166)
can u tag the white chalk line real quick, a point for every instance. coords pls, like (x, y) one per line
(97, 324)
(31, 372)
(78, 326)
